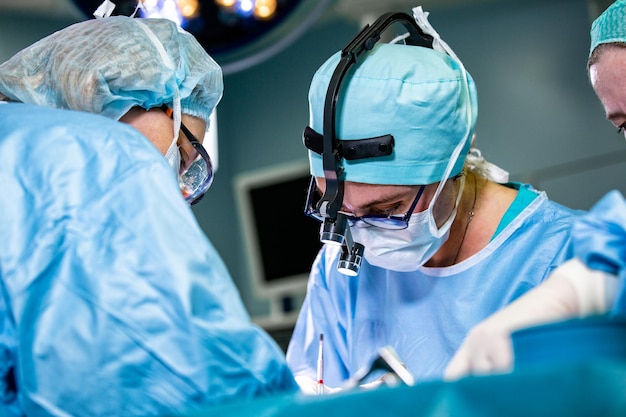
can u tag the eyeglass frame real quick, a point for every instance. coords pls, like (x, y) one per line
(401, 220)
(196, 196)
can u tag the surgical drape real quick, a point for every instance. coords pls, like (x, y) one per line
(112, 300)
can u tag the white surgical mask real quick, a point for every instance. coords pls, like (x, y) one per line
(173, 154)
(407, 249)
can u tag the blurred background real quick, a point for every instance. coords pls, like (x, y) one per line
(538, 116)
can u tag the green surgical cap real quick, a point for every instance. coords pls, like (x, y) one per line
(416, 94)
(610, 26)
(106, 66)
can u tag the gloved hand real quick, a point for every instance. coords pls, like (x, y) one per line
(572, 290)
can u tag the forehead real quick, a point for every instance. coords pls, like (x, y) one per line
(361, 188)
(196, 125)
(608, 78)
(357, 195)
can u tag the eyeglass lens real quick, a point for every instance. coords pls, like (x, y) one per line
(384, 222)
(196, 171)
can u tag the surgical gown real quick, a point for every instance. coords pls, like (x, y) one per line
(424, 315)
(599, 240)
(112, 300)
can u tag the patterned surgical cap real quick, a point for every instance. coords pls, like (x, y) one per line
(106, 66)
(610, 26)
(416, 94)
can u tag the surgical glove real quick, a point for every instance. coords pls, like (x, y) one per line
(572, 290)
(309, 386)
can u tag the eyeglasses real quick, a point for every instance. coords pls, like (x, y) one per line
(390, 222)
(196, 170)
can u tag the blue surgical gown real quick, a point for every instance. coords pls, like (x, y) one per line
(599, 241)
(424, 315)
(112, 300)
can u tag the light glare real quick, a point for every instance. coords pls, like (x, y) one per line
(265, 9)
(150, 4)
(246, 6)
(188, 8)
(170, 11)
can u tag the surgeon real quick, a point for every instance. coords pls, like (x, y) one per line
(112, 300)
(592, 283)
(425, 238)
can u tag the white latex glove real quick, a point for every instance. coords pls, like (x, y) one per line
(572, 290)
(309, 386)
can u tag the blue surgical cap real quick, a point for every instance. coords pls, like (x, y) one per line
(416, 94)
(107, 66)
(610, 26)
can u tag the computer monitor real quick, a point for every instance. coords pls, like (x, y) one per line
(280, 241)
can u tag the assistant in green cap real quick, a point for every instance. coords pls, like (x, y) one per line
(610, 26)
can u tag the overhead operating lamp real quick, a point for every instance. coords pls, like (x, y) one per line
(238, 34)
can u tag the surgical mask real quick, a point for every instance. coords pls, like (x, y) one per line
(173, 156)
(407, 249)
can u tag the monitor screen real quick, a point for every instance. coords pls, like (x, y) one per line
(280, 241)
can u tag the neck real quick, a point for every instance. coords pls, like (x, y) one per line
(453, 250)
(470, 216)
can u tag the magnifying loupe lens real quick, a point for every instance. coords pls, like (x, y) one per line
(350, 261)
(333, 232)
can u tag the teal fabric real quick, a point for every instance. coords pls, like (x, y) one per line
(594, 388)
(601, 336)
(599, 241)
(526, 194)
(416, 94)
(106, 66)
(112, 300)
(610, 26)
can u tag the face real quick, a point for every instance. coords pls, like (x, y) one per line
(360, 199)
(157, 126)
(608, 78)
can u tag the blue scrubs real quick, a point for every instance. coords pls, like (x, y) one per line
(599, 241)
(112, 300)
(424, 315)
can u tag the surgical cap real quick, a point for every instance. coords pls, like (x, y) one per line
(610, 26)
(417, 95)
(107, 66)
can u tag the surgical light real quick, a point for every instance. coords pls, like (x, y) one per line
(244, 7)
(265, 9)
(258, 9)
(189, 8)
(238, 34)
(170, 10)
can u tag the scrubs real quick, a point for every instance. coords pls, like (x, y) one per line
(599, 241)
(112, 300)
(424, 315)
